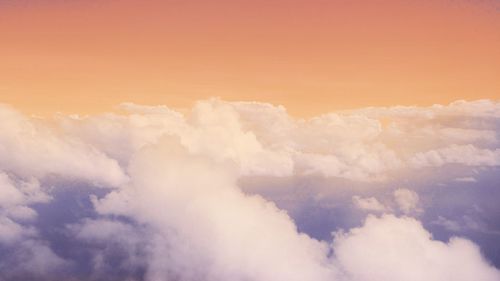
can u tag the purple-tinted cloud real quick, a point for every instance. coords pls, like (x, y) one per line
(243, 191)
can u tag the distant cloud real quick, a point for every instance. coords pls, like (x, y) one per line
(448, 224)
(407, 200)
(261, 139)
(457, 154)
(34, 148)
(466, 179)
(368, 204)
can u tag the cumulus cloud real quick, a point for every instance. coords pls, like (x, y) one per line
(262, 139)
(457, 154)
(369, 204)
(407, 200)
(204, 223)
(30, 148)
(175, 208)
(226, 229)
(479, 108)
(24, 253)
(389, 248)
(15, 198)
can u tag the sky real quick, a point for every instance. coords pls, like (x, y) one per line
(249, 140)
(310, 56)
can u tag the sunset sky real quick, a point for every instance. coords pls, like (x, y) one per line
(311, 56)
(250, 140)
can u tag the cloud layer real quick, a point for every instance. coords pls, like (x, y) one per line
(231, 190)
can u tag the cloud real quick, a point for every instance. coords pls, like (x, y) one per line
(10, 231)
(30, 148)
(388, 248)
(33, 260)
(24, 253)
(225, 229)
(175, 208)
(477, 109)
(15, 198)
(457, 154)
(407, 200)
(262, 139)
(466, 179)
(206, 225)
(368, 204)
(118, 249)
(448, 224)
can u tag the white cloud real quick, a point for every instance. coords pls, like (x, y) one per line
(368, 204)
(219, 233)
(396, 249)
(205, 223)
(262, 139)
(15, 198)
(9, 194)
(32, 258)
(10, 231)
(448, 224)
(32, 148)
(31, 255)
(477, 109)
(457, 154)
(407, 200)
(176, 179)
(114, 234)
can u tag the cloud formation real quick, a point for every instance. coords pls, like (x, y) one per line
(369, 204)
(33, 148)
(390, 248)
(158, 195)
(407, 200)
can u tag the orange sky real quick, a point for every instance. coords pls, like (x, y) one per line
(312, 56)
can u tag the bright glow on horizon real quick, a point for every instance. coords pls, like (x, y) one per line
(310, 56)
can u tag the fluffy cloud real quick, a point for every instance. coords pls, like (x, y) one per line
(407, 200)
(15, 193)
(390, 248)
(261, 139)
(474, 109)
(206, 225)
(177, 211)
(369, 204)
(466, 179)
(27, 254)
(15, 198)
(457, 154)
(31, 148)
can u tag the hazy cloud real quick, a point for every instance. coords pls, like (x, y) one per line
(369, 204)
(407, 200)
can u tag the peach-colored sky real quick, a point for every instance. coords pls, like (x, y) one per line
(311, 56)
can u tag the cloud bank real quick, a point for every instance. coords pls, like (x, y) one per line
(155, 194)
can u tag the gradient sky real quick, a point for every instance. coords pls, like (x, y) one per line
(311, 56)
